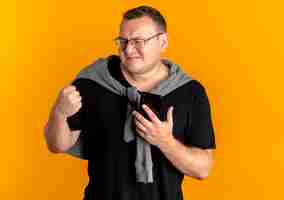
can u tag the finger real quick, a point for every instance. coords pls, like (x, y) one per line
(73, 99)
(153, 117)
(74, 94)
(140, 126)
(142, 119)
(170, 116)
(140, 132)
(77, 99)
(69, 88)
(77, 106)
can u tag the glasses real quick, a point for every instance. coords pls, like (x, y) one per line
(138, 43)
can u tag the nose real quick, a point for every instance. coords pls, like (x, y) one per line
(129, 47)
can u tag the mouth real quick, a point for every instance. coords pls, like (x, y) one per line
(132, 58)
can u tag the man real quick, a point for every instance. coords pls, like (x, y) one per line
(139, 120)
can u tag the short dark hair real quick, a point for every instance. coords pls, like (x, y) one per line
(148, 11)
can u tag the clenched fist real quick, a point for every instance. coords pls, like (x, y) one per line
(68, 101)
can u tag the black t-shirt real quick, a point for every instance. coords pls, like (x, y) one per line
(111, 160)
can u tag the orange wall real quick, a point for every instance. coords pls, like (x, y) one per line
(235, 48)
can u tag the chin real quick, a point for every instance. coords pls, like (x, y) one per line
(133, 66)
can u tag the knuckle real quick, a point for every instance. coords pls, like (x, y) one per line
(76, 92)
(72, 87)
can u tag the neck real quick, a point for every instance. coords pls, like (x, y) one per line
(148, 80)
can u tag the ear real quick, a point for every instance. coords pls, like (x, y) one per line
(164, 41)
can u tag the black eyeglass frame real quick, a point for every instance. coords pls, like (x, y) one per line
(123, 42)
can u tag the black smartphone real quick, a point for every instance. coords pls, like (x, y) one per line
(155, 103)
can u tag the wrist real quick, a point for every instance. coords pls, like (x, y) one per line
(170, 143)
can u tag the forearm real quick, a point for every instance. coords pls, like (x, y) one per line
(190, 161)
(58, 135)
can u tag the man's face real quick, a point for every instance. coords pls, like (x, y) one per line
(142, 59)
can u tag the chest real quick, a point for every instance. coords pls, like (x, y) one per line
(110, 111)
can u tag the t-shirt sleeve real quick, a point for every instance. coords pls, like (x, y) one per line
(79, 121)
(200, 131)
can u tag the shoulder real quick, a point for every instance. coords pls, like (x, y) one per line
(86, 78)
(197, 88)
(86, 87)
(193, 88)
(198, 93)
(192, 94)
